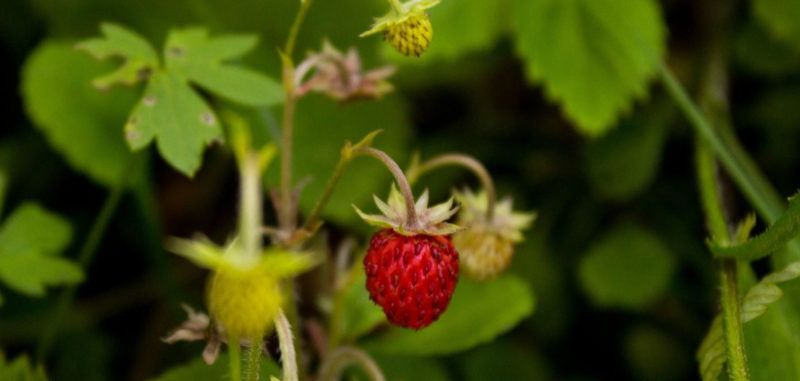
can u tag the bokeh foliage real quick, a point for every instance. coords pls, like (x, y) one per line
(555, 96)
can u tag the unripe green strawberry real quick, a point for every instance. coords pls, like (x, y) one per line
(406, 27)
(411, 36)
(244, 302)
(487, 243)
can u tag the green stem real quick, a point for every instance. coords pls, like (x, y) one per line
(751, 182)
(314, 218)
(291, 41)
(461, 160)
(253, 360)
(400, 178)
(342, 357)
(286, 343)
(729, 294)
(235, 358)
(85, 256)
(287, 215)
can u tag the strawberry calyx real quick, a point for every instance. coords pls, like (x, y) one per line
(425, 220)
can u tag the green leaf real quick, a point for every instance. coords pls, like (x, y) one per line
(81, 123)
(197, 370)
(518, 363)
(139, 57)
(200, 59)
(451, 39)
(360, 315)
(31, 228)
(775, 238)
(629, 267)
(711, 354)
(478, 313)
(782, 17)
(20, 369)
(320, 132)
(178, 118)
(622, 163)
(29, 242)
(593, 57)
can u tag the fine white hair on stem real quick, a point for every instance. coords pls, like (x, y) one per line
(286, 341)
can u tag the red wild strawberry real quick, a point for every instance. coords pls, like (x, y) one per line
(411, 265)
(411, 277)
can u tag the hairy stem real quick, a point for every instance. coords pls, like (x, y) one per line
(729, 294)
(253, 360)
(714, 104)
(400, 178)
(342, 357)
(461, 160)
(286, 343)
(235, 358)
(85, 256)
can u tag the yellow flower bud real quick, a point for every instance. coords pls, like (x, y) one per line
(411, 36)
(244, 302)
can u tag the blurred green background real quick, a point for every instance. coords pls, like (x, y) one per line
(549, 94)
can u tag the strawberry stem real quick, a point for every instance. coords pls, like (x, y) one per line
(461, 160)
(400, 178)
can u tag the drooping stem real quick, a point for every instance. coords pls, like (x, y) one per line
(85, 255)
(235, 358)
(342, 357)
(286, 343)
(461, 160)
(400, 178)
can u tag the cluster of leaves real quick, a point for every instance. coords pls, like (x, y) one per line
(594, 59)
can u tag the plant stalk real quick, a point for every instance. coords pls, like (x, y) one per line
(253, 360)
(235, 358)
(286, 343)
(400, 178)
(250, 207)
(342, 357)
(314, 218)
(729, 294)
(85, 256)
(461, 160)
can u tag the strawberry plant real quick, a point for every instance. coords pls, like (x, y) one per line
(400, 190)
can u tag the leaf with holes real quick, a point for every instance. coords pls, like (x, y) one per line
(180, 121)
(201, 60)
(593, 57)
(140, 59)
(30, 240)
